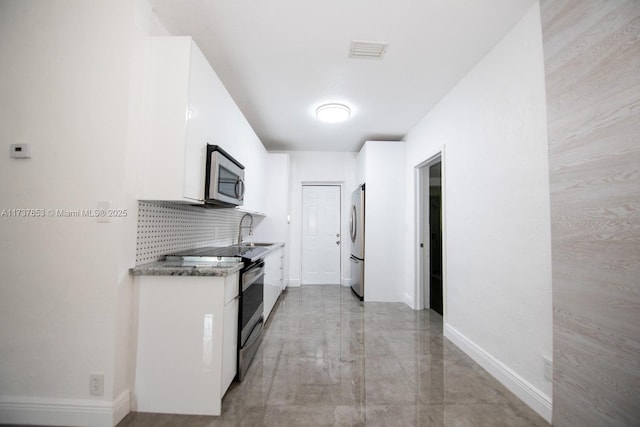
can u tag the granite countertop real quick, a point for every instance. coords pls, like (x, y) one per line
(196, 268)
(172, 268)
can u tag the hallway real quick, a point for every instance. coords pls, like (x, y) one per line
(329, 360)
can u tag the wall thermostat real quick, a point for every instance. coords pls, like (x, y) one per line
(20, 151)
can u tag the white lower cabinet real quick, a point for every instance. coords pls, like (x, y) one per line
(187, 343)
(229, 344)
(273, 276)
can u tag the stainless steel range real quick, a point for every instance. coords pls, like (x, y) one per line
(251, 307)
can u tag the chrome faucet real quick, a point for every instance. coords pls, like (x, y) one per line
(240, 227)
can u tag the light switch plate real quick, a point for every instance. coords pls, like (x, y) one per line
(20, 151)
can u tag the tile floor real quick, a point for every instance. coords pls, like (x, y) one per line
(329, 360)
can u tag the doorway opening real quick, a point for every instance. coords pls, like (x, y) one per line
(430, 286)
(321, 235)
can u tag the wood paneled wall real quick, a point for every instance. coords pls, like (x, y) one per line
(592, 63)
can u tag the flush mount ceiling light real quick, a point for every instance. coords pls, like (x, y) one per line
(333, 113)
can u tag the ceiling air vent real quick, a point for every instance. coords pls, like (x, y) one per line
(367, 50)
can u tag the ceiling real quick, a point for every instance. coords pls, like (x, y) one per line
(280, 59)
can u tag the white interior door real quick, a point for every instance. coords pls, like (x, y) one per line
(321, 237)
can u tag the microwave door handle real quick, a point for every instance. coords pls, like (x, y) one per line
(239, 189)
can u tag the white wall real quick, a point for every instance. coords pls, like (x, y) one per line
(379, 165)
(274, 227)
(496, 211)
(68, 86)
(323, 167)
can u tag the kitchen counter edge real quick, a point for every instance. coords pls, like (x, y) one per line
(164, 268)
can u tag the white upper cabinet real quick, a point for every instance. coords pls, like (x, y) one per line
(186, 108)
(275, 227)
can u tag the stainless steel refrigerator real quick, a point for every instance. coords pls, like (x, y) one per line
(356, 229)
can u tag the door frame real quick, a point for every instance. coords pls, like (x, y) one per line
(421, 217)
(322, 184)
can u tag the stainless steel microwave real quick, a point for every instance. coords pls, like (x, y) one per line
(224, 182)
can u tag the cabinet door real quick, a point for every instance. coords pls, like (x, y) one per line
(230, 344)
(200, 123)
(282, 285)
(166, 93)
(269, 297)
(181, 329)
(272, 280)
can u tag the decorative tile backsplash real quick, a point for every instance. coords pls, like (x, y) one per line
(167, 227)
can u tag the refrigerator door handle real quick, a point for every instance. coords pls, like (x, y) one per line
(353, 223)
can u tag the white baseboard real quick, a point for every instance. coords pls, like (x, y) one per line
(408, 299)
(296, 283)
(64, 412)
(293, 283)
(121, 406)
(531, 395)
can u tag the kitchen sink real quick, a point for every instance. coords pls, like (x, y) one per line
(200, 263)
(209, 256)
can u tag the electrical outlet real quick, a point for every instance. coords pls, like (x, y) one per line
(548, 368)
(96, 384)
(20, 151)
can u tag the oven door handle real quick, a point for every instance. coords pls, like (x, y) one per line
(256, 332)
(250, 276)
